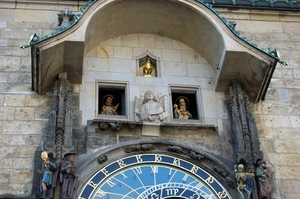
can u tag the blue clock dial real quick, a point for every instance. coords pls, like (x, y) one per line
(152, 176)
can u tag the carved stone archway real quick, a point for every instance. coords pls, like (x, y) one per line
(193, 23)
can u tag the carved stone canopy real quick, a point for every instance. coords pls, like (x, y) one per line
(230, 57)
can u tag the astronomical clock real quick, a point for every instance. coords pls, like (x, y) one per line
(152, 176)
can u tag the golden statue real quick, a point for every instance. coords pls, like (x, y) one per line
(147, 69)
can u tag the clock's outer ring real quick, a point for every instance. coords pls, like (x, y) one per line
(92, 183)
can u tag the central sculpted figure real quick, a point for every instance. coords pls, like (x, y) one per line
(151, 109)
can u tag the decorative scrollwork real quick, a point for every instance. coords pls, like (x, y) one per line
(196, 156)
(175, 149)
(138, 147)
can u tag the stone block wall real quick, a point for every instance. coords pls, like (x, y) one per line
(277, 117)
(24, 114)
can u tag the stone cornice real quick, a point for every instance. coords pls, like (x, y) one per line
(279, 5)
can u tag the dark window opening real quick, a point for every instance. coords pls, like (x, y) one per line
(190, 101)
(119, 99)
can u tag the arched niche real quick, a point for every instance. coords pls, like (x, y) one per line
(189, 22)
(142, 59)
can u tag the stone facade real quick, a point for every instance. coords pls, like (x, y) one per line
(24, 114)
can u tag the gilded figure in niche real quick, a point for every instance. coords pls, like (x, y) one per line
(148, 68)
(180, 108)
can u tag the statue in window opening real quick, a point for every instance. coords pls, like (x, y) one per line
(108, 107)
(180, 109)
(147, 68)
(264, 180)
(49, 178)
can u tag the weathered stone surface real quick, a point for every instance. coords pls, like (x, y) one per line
(41, 113)
(287, 159)
(16, 189)
(7, 113)
(271, 94)
(9, 64)
(290, 27)
(17, 88)
(290, 187)
(283, 73)
(5, 16)
(20, 176)
(3, 42)
(283, 94)
(287, 146)
(273, 120)
(261, 26)
(22, 34)
(6, 163)
(31, 141)
(267, 144)
(4, 177)
(100, 140)
(14, 100)
(273, 37)
(147, 41)
(288, 172)
(24, 113)
(24, 127)
(280, 108)
(268, 132)
(8, 151)
(38, 100)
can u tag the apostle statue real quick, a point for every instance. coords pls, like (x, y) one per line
(108, 107)
(180, 109)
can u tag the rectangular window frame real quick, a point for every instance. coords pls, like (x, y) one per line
(114, 86)
(194, 90)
